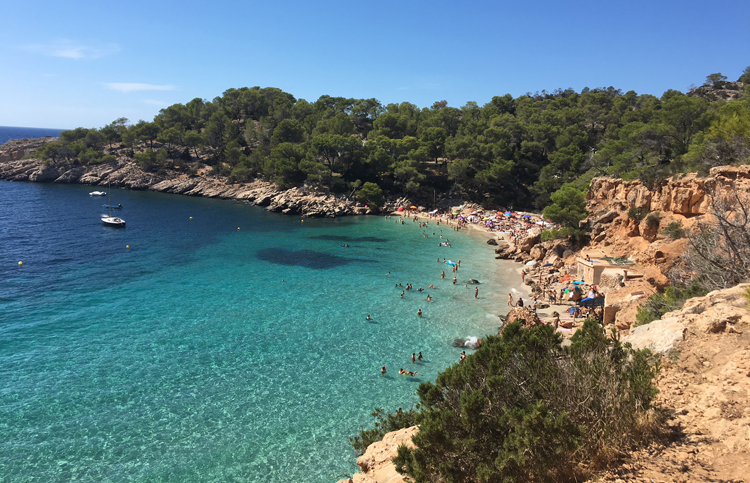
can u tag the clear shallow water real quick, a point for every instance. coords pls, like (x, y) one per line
(186, 358)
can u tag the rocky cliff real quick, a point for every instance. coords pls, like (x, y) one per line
(124, 173)
(705, 385)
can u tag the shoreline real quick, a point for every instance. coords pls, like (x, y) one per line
(479, 232)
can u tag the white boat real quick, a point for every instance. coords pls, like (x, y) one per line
(97, 193)
(110, 220)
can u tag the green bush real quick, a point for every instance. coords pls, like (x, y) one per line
(674, 230)
(653, 219)
(521, 408)
(384, 423)
(637, 214)
(565, 232)
(673, 298)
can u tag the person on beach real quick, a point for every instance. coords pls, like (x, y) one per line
(520, 302)
(383, 371)
(462, 357)
(476, 292)
(556, 319)
(510, 300)
(523, 277)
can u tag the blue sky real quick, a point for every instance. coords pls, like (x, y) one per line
(82, 63)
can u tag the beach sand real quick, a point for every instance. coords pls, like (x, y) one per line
(519, 289)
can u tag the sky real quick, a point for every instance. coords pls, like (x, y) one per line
(85, 63)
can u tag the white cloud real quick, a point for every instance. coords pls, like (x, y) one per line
(71, 49)
(126, 87)
(155, 102)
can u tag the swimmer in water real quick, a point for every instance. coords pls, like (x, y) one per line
(431, 286)
(429, 298)
(454, 280)
(408, 373)
(383, 371)
(419, 357)
(419, 312)
(368, 317)
(442, 275)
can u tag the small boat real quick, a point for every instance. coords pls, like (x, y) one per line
(118, 207)
(97, 193)
(110, 220)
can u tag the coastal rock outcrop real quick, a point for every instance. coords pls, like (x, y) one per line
(124, 173)
(376, 466)
(525, 315)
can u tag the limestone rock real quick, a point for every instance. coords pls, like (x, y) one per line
(532, 238)
(661, 336)
(525, 315)
(376, 465)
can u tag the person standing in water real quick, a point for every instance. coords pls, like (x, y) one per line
(419, 357)
(419, 312)
(510, 300)
(383, 371)
(413, 357)
(476, 292)
(442, 275)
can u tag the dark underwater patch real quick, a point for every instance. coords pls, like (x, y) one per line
(302, 258)
(349, 239)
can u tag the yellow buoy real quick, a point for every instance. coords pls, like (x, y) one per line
(238, 227)
(20, 263)
(127, 246)
(191, 217)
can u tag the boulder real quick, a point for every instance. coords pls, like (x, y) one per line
(661, 336)
(525, 315)
(531, 239)
(376, 465)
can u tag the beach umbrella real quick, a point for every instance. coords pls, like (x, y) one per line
(400, 208)
(531, 263)
(547, 265)
(527, 216)
(412, 207)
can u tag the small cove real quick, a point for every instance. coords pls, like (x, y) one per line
(205, 352)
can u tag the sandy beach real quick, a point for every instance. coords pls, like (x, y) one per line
(519, 288)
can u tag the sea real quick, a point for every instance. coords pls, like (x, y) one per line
(212, 341)
(9, 132)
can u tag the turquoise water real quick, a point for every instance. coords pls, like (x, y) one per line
(185, 358)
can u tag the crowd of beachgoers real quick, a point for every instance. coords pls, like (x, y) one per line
(566, 301)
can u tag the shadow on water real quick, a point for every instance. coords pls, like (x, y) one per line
(302, 258)
(372, 239)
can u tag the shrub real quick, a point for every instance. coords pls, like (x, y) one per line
(674, 230)
(637, 214)
(384, 423)
(673, 298)
(653, 219)
(564, 232)
(521, 408)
